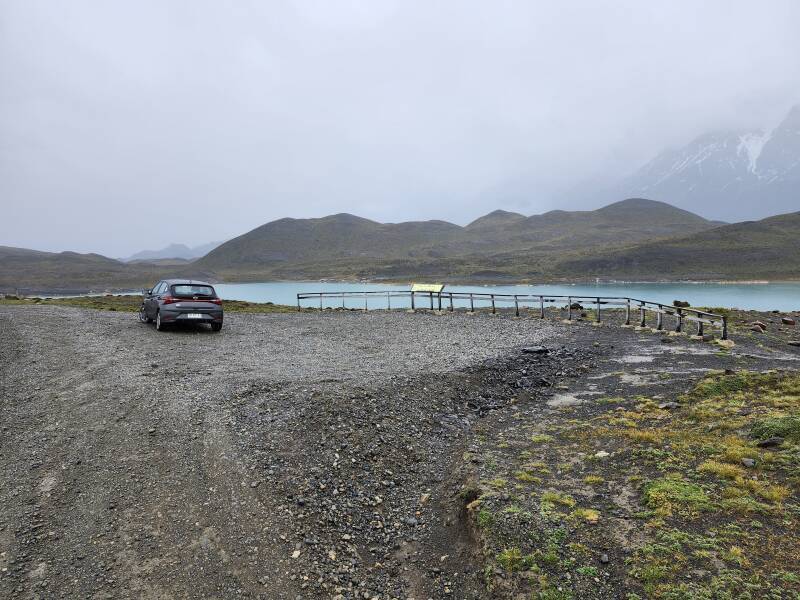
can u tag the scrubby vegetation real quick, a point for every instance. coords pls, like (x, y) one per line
(680, 503)
(131, 303)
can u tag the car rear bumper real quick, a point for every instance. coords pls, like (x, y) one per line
(181, 315)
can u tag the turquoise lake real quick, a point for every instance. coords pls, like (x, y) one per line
(756, 296)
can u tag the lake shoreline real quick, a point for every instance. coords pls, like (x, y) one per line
(71, 292)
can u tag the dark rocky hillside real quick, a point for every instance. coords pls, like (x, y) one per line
(767, 249)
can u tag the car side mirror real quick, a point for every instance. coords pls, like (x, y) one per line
(147, 292)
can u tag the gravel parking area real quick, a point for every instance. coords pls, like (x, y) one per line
(281, 458)
(346, 345)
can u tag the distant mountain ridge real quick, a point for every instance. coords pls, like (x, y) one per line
(173, 251)
(637, 238)
(726, 169)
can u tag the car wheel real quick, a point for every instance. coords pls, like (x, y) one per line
(159, 325)
(143, 316)
(216, 326)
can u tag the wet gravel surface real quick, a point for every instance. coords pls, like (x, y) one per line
(312, 455)
(289, 456)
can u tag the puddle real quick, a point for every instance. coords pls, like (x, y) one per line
(635, 358)
(696, 349)
(564, 400)
(639, 379)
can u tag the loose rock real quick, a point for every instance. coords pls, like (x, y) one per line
(668, 405)
(535, 350)
(770, 442)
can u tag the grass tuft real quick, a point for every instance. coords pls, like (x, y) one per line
(674, 494)
(558, 498)
(589, 515)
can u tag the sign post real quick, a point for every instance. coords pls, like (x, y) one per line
(430, 289)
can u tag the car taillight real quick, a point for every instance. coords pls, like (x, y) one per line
(216, 301)
(170, 300)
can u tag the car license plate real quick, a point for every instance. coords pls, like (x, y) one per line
(194, 316)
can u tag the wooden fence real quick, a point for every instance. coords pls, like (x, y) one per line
(636, 310)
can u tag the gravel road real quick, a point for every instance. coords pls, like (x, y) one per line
(289, 456)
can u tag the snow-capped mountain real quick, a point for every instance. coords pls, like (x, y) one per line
(733, 175)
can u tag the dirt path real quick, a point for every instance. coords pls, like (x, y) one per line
(287, 457)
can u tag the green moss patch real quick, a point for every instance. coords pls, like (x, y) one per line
(787, 427)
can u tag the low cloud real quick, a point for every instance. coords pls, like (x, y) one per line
(132, 125)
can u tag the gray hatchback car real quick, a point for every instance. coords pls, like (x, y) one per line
(181, 301)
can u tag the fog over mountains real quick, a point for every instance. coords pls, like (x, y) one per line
(738, 173)
(180, 251)
(735, 173)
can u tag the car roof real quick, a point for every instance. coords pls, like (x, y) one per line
(185, 282)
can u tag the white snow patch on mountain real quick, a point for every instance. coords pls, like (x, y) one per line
(751, 145)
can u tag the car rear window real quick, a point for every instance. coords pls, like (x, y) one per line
(190, 291)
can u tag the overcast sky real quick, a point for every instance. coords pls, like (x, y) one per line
(130, 125)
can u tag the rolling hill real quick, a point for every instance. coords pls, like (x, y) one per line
(68, 272)
(332, 237)
(347, 246)
(766, 249)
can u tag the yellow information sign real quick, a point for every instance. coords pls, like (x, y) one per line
(427, 287)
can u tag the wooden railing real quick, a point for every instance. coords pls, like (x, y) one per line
(635, 310)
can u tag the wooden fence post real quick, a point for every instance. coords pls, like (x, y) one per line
(724, 328)
(388, 301)
(412, 300)
(471, 303)
(569, 308)
(699, 326)
(451, 301)
(493, 309)
(365, 301)
(431, 295)
(660, 318)
(320, 301)
(298, 302)
(643, 322)
(628, 312)
(439, 298)
(541, 306)
(598, 310)
(516, 306)
(679, 324)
